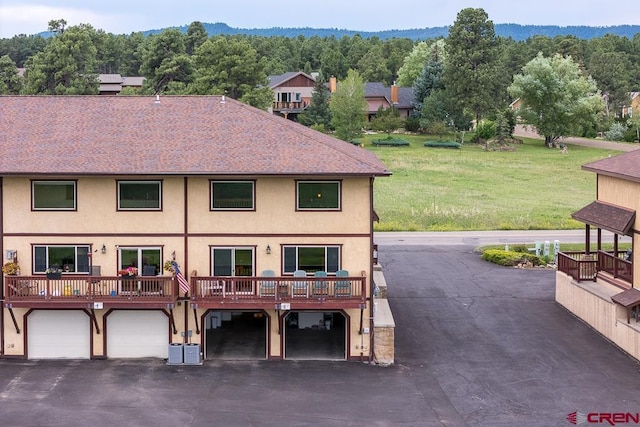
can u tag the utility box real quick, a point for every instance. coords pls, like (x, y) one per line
(175, 354)
(192, 354)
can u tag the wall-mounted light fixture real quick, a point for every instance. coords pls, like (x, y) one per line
(268, 250)
(173, 255)
(104, 249)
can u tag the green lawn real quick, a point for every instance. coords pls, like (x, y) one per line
(438, 189)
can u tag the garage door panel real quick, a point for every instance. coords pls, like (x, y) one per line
(137, 333)
(58, 334)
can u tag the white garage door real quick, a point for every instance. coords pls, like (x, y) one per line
(137, 333)
(58, 334)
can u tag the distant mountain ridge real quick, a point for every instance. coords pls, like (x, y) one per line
(515, 31)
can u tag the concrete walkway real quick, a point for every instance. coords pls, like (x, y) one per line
(530, 132)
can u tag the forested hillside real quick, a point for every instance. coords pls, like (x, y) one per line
(515, 31)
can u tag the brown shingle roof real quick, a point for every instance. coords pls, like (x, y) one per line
(76, 135)
(609, 217)
(625, 166)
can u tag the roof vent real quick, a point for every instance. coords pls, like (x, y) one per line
(222, 100)
(157, 101)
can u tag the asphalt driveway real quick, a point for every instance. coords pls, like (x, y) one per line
(476, 345)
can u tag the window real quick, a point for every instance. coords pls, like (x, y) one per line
(71, 259)
(232, 261)
(148, 258)
(232, 195)
(314, 195)
(53, 195)
(311, 258)
(139, 195)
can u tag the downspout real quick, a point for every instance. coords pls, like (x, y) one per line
(371, 284)
(2, 281)
(185, 267)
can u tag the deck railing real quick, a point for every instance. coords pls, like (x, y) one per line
(581, 266)
(281, 105)
(103, 288)
(617, 266)
(280, 289)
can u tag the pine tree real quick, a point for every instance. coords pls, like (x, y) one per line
(318, 113)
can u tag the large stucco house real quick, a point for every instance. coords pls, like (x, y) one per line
(270, 222)
(601, 286)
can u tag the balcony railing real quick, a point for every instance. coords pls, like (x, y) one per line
(299, 105)
(90, 288)
(278, 289)
(617, 266)
(581, 266)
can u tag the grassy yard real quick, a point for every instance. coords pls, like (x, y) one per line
(440, 189)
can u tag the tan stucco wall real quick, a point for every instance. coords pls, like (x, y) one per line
(275, 222)
(591, 302)
(626, 194)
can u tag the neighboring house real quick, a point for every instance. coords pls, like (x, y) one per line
(271, 223)
(634, 108)
(112, 84)
(378, 95)
(291, 93)
(601, 287)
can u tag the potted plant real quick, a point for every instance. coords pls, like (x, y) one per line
(53, 272)
(128, 273)
(168, 266)
(11, 268)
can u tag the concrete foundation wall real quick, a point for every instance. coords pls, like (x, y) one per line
(591, 302)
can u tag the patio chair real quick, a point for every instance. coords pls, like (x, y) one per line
(267, 287)
(299, 287)
(319, 287)
(342, 287)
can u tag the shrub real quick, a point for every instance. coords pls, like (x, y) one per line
(485, 131)
(509, 258)
(442, 144)
(631, 135)
(390, 142)
(412, 124)
(616, 132)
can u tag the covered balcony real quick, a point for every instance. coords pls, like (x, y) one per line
(614, 267)
(84, 291)
(308, 292)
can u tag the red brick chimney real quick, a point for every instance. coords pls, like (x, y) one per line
(333, 84)
(394, 93)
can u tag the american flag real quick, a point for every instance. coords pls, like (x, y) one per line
(184, 285)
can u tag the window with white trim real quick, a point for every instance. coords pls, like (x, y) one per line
(318, 195)
(139, 195)
(53, 195)
(146, 259)
(232, 261)
(311, 258)
(70, 259)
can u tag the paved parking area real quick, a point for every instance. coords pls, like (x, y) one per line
(476, 345)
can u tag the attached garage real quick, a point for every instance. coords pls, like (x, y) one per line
(315, 335)
(137, 333)
(58, 334)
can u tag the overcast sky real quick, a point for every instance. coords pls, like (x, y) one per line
(126, 16)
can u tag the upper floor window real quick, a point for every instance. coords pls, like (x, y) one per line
(53, 195)
(311, 258)
(232, 195)
(70, 259)
(139, 195)
(318, 195)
